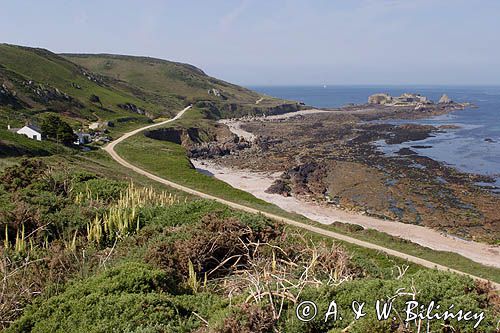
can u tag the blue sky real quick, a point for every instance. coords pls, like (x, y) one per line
(279, 41)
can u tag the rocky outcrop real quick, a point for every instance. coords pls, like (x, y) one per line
(217, 93)
(92, 77)
(182, 136)
(8, 97)
(215, 149)
(133, 108)
(405, 99)
(306, 179)
(280, 187)
(380, 99)
(445, 100)
(283, 108)
(44, 93)
(215, 110)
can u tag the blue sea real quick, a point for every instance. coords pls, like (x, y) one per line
(474, 147)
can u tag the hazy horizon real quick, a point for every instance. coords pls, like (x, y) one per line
(286, 42)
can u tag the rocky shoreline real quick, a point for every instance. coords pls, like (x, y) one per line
(256, 183)
(329, 157)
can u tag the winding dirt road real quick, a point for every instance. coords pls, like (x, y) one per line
(110, 149)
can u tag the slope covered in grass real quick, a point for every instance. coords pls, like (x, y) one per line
(127, 91)
(173, 82)
(36, 81)
(12, 144)
(167, 79)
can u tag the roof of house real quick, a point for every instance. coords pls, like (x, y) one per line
(34, 128)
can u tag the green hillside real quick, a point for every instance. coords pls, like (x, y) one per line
(123, 90)
(172, 82)
(36, 81)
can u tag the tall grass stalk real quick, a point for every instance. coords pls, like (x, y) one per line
(20, 246)
(123, 218)
(6, 239)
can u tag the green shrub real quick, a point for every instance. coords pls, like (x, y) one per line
(188, 213)
(442, 287)
(123, 298)
(101, 189)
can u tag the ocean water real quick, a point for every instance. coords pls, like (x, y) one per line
(473, 147)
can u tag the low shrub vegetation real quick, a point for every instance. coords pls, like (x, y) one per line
(81, 253)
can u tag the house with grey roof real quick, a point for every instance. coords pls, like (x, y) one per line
(31, 131)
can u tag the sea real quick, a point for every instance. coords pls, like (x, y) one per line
(474, 146)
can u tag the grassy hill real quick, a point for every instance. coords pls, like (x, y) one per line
(36, 81)
(127, 91)
(12, 144)
(124, 90)
(168, 80)
(172, 82)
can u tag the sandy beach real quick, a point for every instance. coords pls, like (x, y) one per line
(256, 183)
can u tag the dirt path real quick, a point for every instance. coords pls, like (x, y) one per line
(110, 149)
(257, 182)
(235, 127)
(235, 124)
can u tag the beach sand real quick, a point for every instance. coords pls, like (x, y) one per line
(257, 182)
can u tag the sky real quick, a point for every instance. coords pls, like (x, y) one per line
(278, 42)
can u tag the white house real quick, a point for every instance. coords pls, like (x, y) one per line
(30, 131)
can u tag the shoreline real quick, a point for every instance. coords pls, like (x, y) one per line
(257, 182)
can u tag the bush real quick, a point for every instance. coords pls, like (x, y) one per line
(104, 190)
(245, 318)
(55, 128)
(124, 298)
(442, 287)
(22, 175)
(215, 244)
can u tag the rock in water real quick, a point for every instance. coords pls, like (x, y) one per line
(379, 99)
(445, 99)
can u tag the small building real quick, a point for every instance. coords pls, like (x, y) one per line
(82, 138)
(31, 131)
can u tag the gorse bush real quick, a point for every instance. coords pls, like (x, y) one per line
(124, 298)
(47, 212)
